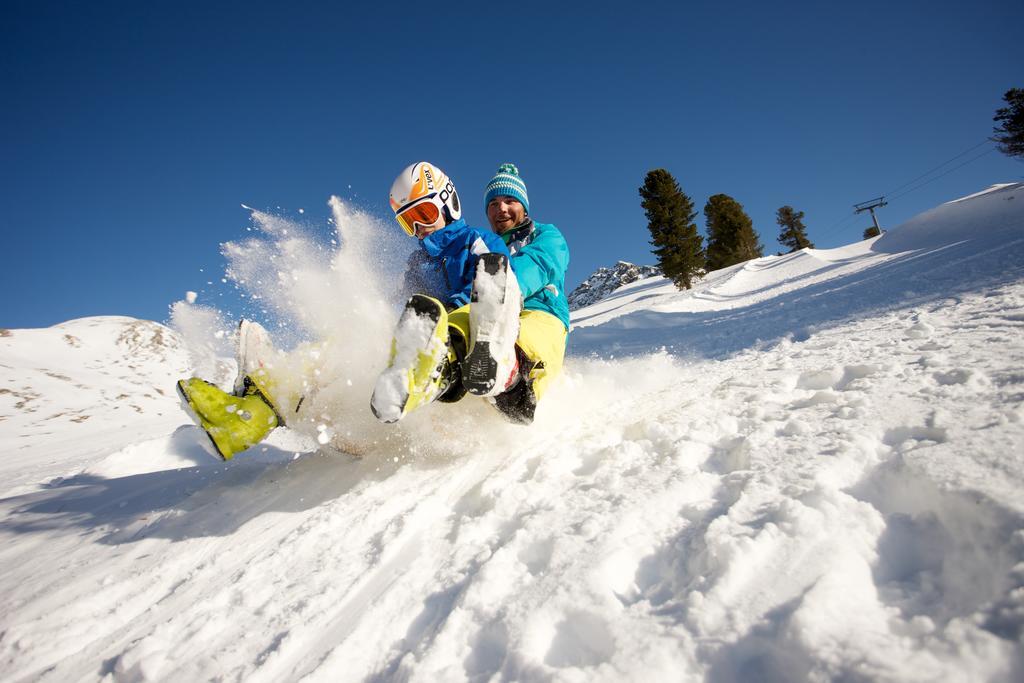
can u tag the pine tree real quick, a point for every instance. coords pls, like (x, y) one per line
(731, 236)
(794, 232)
(670, 213)
(1010, 136)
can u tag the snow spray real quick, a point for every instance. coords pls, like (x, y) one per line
(331, 309)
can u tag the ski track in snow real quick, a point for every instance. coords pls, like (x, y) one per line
(831, 495)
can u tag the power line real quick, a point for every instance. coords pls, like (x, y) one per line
(841, 222)
(891, 196)
(928, 182)
(967, 151)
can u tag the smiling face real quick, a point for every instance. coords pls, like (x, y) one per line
(505, 213)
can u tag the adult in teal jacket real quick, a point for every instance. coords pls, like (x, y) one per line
(540, 257)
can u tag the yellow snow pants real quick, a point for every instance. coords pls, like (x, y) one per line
(541, 339)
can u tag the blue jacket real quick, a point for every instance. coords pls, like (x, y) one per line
(450, 264)
(540, 258)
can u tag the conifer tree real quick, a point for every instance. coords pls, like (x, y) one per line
(731, 236)
(794, 232)
(1010, 135)
(670, 213)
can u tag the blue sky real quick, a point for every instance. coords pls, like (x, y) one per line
(130, 133)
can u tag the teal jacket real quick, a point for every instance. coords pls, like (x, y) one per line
(540, 258)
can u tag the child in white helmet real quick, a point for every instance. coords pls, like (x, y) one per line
(466, 341)
(434, 355)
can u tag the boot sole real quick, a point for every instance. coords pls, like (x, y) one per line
(480, 369)
(392, 382)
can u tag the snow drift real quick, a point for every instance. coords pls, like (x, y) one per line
(806, 468)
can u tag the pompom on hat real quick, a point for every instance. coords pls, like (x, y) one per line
(507, 183)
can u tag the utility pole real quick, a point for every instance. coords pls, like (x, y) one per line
(871, 205)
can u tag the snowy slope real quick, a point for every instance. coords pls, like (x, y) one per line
(807, 468)
(82, 389)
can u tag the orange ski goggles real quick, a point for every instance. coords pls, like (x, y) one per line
(424, 213)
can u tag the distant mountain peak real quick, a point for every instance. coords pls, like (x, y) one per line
(604, 281)
(106, 371)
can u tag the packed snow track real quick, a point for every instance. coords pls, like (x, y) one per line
(806, 468)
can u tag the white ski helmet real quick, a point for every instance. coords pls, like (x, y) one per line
(423, 196)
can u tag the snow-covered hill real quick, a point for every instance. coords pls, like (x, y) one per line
(81, 389)
(806, 468)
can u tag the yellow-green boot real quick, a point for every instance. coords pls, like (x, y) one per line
(417, 369)
(233, 423)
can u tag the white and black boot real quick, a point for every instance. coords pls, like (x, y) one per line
(491, 366)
